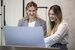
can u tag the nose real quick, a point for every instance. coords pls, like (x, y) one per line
(32, 13)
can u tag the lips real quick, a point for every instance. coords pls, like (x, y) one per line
(31, 15)
(52, 17)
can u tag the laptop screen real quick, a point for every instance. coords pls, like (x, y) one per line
(24, 36)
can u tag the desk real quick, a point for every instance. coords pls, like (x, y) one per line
(25, 48)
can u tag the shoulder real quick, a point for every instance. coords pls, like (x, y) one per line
(21, 20)
(42, 21)
(63, 24)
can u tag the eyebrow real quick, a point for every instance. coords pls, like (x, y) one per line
(31, 10)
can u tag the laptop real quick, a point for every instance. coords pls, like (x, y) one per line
(24, 36)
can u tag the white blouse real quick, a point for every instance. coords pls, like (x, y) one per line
(32, 24)
(60, 36)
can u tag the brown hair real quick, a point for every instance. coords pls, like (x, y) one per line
(58, 15)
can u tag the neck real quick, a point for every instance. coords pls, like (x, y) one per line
(32, 20)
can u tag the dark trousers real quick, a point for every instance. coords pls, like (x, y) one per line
(61, 46)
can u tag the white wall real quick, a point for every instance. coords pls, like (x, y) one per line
(0, 22)
(13, 11)
(0, 30)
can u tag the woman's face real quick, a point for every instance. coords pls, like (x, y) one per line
(52, 15)
(31, 12)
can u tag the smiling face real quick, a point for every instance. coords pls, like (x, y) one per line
(52, 16)
(31, 12)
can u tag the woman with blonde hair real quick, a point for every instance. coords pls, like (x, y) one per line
(31, 19)
(58, 33)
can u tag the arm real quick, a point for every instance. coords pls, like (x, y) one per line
(44, 27)
(57, 36)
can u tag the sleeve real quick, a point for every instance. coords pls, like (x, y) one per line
(44, 27)
(57, 36)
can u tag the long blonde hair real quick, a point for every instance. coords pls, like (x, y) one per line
(58, 14)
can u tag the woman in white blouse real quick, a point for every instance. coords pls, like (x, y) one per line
(58, 33)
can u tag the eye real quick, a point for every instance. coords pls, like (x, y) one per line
(33, 10)
(29, 10)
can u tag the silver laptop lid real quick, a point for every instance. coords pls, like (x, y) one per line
(24, 36)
